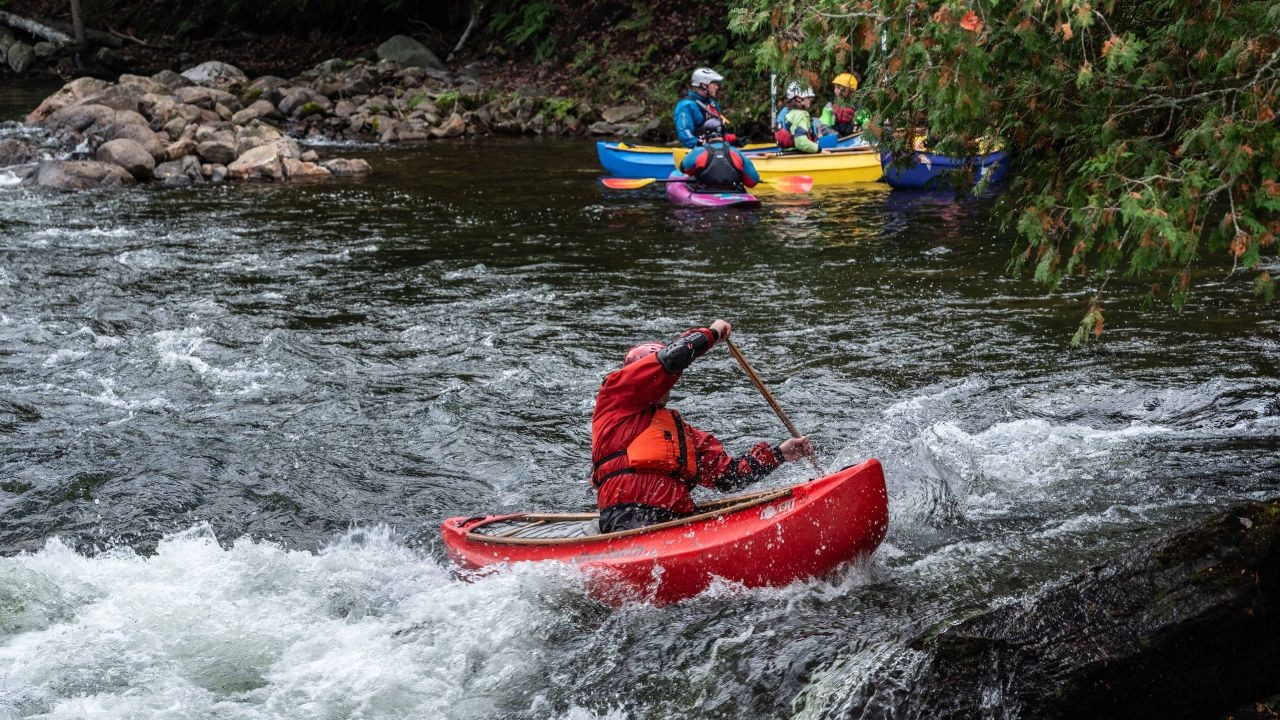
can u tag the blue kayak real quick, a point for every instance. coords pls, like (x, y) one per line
(931, 171)
(647, 161)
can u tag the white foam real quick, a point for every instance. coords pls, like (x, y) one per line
(364, 628)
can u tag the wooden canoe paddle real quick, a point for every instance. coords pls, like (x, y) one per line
(782, 415)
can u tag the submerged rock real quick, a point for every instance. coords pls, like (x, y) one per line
(1187, 628)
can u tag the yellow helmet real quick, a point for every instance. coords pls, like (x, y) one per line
(847, 80)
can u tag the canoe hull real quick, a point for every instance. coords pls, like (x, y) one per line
(842, 167)
(813, 528)
(931, 171)
(682, 193)
(647, 161)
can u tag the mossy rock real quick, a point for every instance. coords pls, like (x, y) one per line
(250, 96)
(309, 109)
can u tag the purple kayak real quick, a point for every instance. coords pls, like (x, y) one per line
(682, 193)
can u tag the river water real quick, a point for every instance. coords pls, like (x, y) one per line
(232, 418)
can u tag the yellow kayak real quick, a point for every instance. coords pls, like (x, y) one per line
(826, 168)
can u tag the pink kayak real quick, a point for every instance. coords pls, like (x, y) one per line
(682, 193)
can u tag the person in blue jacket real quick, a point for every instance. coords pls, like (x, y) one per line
(700, 104)
(717, 165)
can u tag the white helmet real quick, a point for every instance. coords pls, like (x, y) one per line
(705, 76)
(796, 90)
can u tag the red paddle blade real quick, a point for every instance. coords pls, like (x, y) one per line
(626, 183)
(793, 183)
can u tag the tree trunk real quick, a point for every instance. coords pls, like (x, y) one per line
(77, 20)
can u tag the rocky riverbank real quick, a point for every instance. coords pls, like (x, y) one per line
(212, 122)
(1186, 628)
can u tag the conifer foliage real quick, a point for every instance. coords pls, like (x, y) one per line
(1145, 132)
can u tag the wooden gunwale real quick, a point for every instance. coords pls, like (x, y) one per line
(713, 509)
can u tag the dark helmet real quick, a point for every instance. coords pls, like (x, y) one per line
(713, 128)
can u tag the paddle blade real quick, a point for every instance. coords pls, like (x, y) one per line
(792, 183)
(626, 183)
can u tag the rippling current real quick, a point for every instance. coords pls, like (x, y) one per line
(232, 418)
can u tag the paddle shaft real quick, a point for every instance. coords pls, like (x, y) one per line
(782, 415)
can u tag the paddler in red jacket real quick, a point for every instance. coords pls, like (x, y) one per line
(645, 458)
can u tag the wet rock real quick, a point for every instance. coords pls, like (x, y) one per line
(344, 109)
(257, 110)
(21, 56)
(73, 93)
(129, 155)
(184, 145)
(44, 51)
(265, 162)
(141, 135)
(184, 171)
(158, 107)
(217, 173)
(1186, 628)
(254, 135)
(218, 146)
(303, 101)
(347, 166)
(454, 127)
(407, 52)
(601, 127)
(295, 169)
(206, 98)
(16, 152)
(214, 72)
(79, 175)
(77, 118)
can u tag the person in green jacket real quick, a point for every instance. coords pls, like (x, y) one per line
(840, 116)
(796, 123)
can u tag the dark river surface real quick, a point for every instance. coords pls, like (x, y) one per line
(232, 418)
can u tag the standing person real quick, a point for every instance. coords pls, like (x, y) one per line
(840, 115)
(717, 165)
(697, 106)
(795, 125)
(646, 458)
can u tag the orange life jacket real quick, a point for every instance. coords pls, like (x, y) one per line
(662, 447)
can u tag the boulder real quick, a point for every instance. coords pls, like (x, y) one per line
(79, 175)
(1187, 627)
(206, 98)
(170, 79)
(77, 118)
(108, 59)
(344, 109)
(407, 52)
(356, 81)
(215, 73)
(149, 85)
(257, 110)
(184, 171)
(44, 51)
(622, 114)
(295, 169)
(108, 126)
(143, 136)
(303, 101)
(21, 56)
(347, 166)
(73, 93)
(454, 127)
(267, 87)
(129, 155)
(16, 152)
(184, 145)
(216, 147)
(265, 162)
(158, 107)
(600, 127)
(254, 135)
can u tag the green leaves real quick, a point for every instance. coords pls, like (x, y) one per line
(1145, 133)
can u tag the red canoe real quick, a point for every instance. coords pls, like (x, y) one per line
(767, 538)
